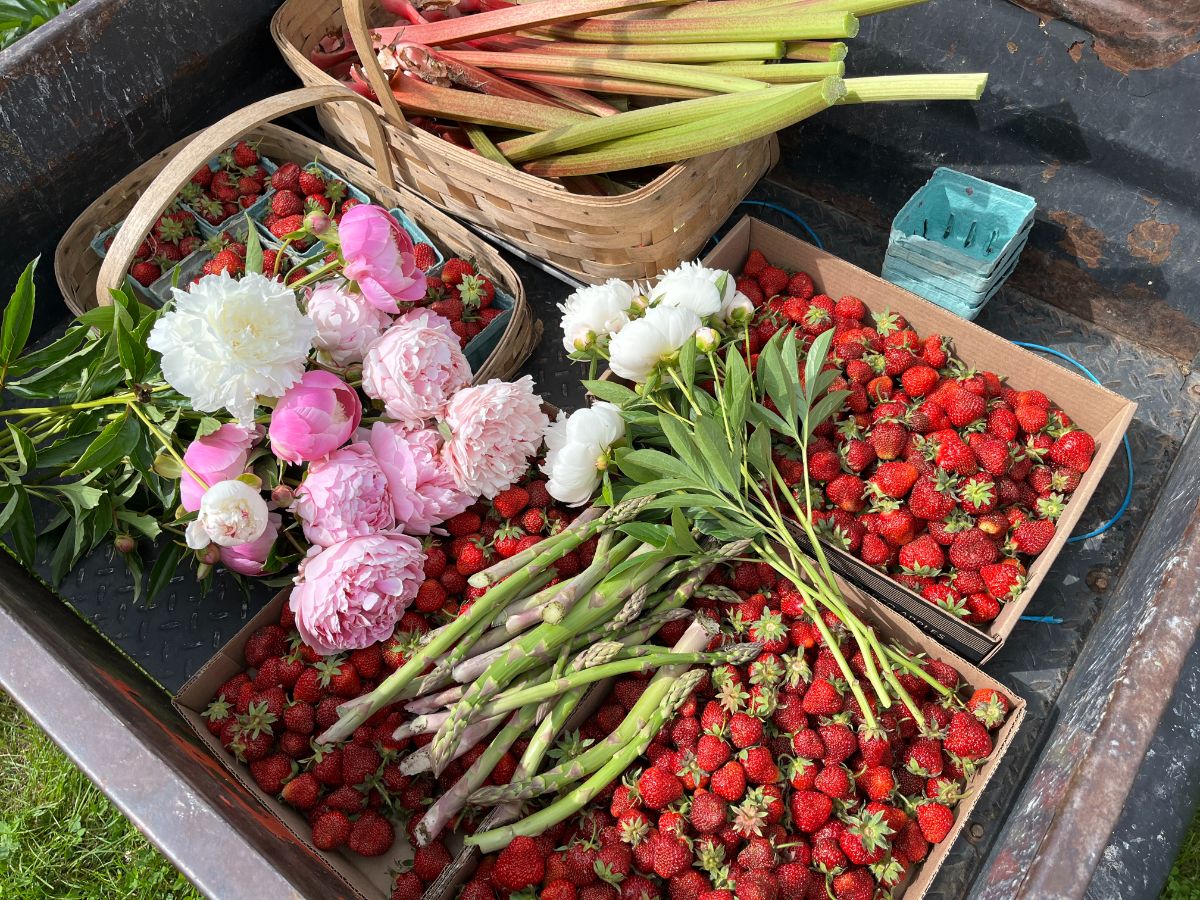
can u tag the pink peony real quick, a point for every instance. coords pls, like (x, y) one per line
(350, 595)
(248, 559)
(379, 258)
(314, 417)
(346, 323)
(219, 456)
(343, 496)
(494, 429)
(415, 367)
(423, 493)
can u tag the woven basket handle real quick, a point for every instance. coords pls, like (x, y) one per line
(355, 12)
(178, 172)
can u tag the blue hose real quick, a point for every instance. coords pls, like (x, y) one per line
(1128, 450)
(783, 210)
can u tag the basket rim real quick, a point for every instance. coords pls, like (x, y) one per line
(298, 60)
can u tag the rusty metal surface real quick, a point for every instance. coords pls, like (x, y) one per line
(1110, 709)
(1110, 157)
(88, 96)
(121, 731)
(1131, 34)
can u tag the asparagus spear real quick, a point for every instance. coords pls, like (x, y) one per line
(571, 803)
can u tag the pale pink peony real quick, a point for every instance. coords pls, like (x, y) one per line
(379, 258)
(494, 429)
(423, 493)
(415, 367)
(314, 417)
(346, 323)
(350, 595)
(343, 496)
(219, 456)
(248, 559)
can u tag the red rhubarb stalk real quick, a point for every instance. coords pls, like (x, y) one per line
(449, 103)
(602, 85)
(435, 66)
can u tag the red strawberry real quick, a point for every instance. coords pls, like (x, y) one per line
(1074, 450)
(302, 792)
(509, 503)
(330, 830)
(1033, 536)
(287, 203)
(801, 285)
(145, 272)
(311, 181)
(430, 861)
(967, 737)
(935, 821)
(520, 865)
(989, 706)
(810, 810)
(425, 256)
(972, 549)
(894, 479)
(270, 772)
(773, 280)
(659, 788)
(268, 641)
(286, 225)
(729, 782)
(671, 855)
(454, 270)
(1031, 417)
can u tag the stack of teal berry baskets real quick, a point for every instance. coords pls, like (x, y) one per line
(957, 240)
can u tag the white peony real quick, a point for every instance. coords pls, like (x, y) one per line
(644, 343)
(594, 312)
(231, 513)
(577, 451)
(229, 341)
(692, 286)
(738, 308)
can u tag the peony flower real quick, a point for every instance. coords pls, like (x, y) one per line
(229, 341)
(692, 286)
(737, 309)
(343, 496)
(422, 491)
(346, 324)
(379, 258)
(218, 456)
(594, 312)
(493, 430)
(350, 595)
(414, 367)
(315, 416)
(641, 345)
(577, 451)
(231, 513)
(249, 559)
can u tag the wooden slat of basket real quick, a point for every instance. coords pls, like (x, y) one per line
(679, 210)
(77, 268)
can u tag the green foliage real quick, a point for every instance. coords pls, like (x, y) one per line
(19, 17)
(59, 836)
(1184, 881)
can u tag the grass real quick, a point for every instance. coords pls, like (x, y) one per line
(1184, 881)
(19, 17)
(60, 838)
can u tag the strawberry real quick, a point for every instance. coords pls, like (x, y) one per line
(425, 256)
(671, 855)
(560, 889)
(430, 861)
(476, 291)
(286, 225)
(847, 492)
(922, 556)
(519, 865)
(982, 608)
(801, 285)
(893, 479)
(455, 269)
(935, 821)
(854, 884)
(287, 203)
(659, 788)
(810, 810)
(972, 549)
(919, 380)
(509, 503)
(145, 272)
(408, 886)
(1031, 417)
(1031, 537)
(977, 494)
(729, 782)
(300, 717)
(1074, 451)
(311, 181)
(270, 772)
(303, 792)
(464, 523)
(330, 830)
(755, 263)
(989, 706)
(1004, 582)
(773, 280)
(968, 737)
(707, 814)
(268, 641)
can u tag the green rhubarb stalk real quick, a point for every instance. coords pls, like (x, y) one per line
(862, 7)
(888, 88)
(637, 121)
(354, 712)
(571, 803)
(816, 51)
(781, 73)
(604, 85)
(661, 73)
(416, 96)
(451, 802)
(702, 9)
(792, 22)
(504, 21)
(724, 51)
(484, 145)
(668, 145)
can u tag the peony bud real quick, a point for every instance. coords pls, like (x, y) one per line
(739, 310)
(124, 543)
(283, 496)
(318, 223)
(209, 556)
(707, 340)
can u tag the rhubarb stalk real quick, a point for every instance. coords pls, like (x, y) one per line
(602, 85)
(816, 51)
(431, 100)
(792, 22)
(780, 73)
(886, 88)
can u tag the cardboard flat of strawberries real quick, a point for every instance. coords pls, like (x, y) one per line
(1104, 414)
(371, 879)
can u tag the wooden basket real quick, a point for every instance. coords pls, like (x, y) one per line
(142, 196)
(631, 236)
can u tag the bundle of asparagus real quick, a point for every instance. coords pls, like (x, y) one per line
(556, 87)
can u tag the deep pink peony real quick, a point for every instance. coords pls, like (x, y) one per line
(248, 559)
(494, 429)
(219, 456)
(346, 323)
(350, 595)
(343, 496)
(314, 417)
(415, 367)
(423, 493)
(379, 258)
